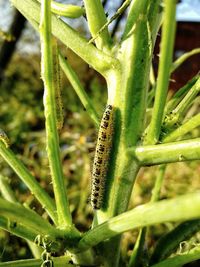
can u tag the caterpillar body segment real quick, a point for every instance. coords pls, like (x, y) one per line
(101, 158)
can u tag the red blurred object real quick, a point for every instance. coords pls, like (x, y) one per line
(187, 38)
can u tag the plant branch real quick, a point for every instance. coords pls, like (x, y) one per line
(63, 261)
(30, 219)
(136, 56)
(75, 82)
(187, 127)
(167, 153)
(167, 43)
(138, 251)
(18, 229)
(5, 189)
(160, 174)
(184, 207)
(187, 100)
(180, 260)
(183, 58)
(118, 20)
(71, 38)
(96, 20)
(169, 243)
(180, 94)
(41, 195)
(135, 9)
(62, 205)
(8, 194)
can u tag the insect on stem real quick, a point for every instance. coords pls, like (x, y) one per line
(101, 158)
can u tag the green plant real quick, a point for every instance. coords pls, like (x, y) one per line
(125, 65)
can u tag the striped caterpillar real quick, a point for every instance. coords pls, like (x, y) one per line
(101, 158)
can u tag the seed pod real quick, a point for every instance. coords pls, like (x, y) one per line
(70, 11)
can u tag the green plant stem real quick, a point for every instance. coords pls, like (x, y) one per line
(20, 214)
(187, 100)
(169, 243)
(179, 95)
(180, 260)
(167, 43)
(183, 58)
(75, 82)
(8, 194)
(71, 38)
(155, 194)
(155, 14)
(41, 195)
(63, 261)
(62, 205)
(96, 20)
(181, 208)
(167, 153)
(137, 254)
(5, 189)
(187, 127)
(138, 45)
(129, 103)
(17, 229)
(35, 250)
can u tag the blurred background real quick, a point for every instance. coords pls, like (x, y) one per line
(22, 118)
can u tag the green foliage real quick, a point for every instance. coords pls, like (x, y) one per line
(56, 220)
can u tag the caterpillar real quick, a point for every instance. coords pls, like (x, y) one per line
(101, 158)
(4, 138)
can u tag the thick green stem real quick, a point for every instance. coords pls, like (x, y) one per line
(167, 153)
(75, 82)
(41, 195)
(167, 43)
(184, 207)
(62, 205)
(96, 19)
(129, 87)
(71, 38)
